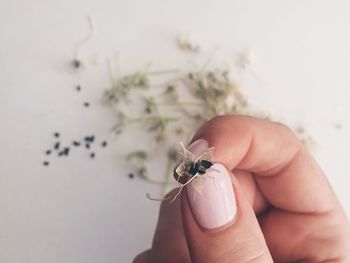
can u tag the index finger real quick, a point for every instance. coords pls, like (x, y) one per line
(286, 173)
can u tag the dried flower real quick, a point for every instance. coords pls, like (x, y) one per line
(138, 155)
(246, 59)
(188, 43)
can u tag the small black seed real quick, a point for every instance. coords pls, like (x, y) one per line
(61, 153)
(76, 143)
(87, 145)
(170, 88)
(92, 155)
(48, 152)
(86, 104)
(78, 88)
(148, 110)
(89, 139)
(131, 175)
(104, 144)
(56, 134)
(66, 151)
(76, 63)
(46, 163)
(57, 145)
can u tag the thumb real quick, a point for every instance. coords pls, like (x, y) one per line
(219, 222)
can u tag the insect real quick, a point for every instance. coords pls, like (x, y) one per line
(192, 166)
(190, 170)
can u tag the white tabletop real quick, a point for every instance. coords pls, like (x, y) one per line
(79, 210)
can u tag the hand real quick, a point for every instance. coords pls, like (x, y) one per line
(277, 206)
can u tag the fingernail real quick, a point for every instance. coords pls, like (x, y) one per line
(212, 198)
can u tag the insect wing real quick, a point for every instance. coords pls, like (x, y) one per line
(206, 155)
(198, 184)
(186, 154)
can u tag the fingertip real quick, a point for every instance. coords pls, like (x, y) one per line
(142, 257)
(237, 240)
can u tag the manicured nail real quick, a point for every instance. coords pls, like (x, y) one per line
(212, 198)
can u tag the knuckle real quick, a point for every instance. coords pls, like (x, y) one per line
(248, 250)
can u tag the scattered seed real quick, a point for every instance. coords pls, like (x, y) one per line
(104, 144)
(92, 155)
(56, 134)
(86, 104)
(76, 63)
(78, 88)
(57, 145)
(66, 151)
(131, 175)
(87, 145)
(46, 163)
(76, 143)
(148, 110)
(89, 139)
(48, 152)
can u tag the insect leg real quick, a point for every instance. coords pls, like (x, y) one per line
(179, 192)
(157, 199)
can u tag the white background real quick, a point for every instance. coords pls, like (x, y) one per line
(79, 210)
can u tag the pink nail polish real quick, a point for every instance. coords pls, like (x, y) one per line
(212, 198)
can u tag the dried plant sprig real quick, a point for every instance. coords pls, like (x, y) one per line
(175, 109)
(188, 43)
(76, 61)
(214, 88)
(124, 85)
(170, 113)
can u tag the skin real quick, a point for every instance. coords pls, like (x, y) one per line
(287, 210)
